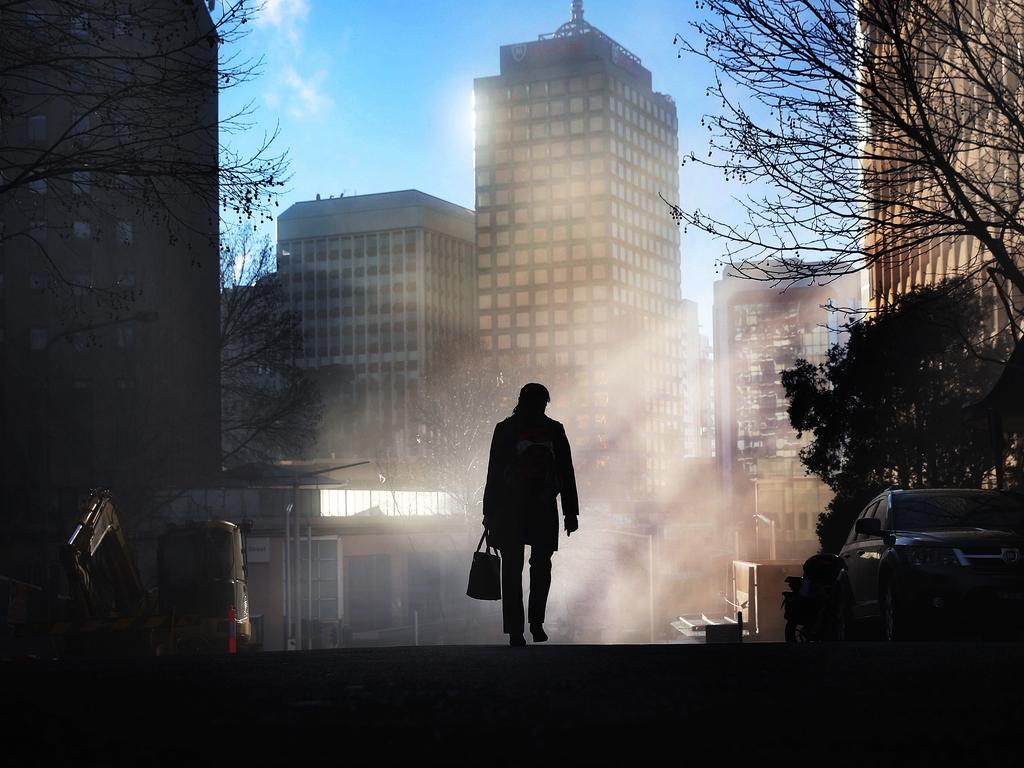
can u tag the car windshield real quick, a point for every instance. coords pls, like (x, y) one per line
(919, 512)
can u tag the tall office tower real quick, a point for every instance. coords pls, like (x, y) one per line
(108, 275)
(690, 383)
(940, 173)
(578, 258)
(706, 376)
(382, 282)
(760, 330)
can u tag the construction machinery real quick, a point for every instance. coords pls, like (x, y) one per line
(200, 604)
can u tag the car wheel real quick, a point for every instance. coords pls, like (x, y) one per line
(840, 622)
(893, 620)
(795, 633)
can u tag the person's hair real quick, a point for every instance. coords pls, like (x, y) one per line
(532, 397)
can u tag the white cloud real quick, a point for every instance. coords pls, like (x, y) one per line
(307, 95)
(296, 85)
(286, 15)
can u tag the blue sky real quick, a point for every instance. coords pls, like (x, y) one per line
(372, 96)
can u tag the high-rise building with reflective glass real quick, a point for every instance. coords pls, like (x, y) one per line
(578, 258)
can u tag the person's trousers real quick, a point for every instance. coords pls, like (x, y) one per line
(512, 586)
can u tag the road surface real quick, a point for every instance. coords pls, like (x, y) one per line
(853, 703)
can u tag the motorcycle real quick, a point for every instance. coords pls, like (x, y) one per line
(816, 606)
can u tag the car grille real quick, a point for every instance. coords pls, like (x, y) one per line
(991, 560)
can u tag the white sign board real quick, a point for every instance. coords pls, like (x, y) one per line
(257, 550)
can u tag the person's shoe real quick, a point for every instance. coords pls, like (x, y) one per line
(516, 640)
(539, 635)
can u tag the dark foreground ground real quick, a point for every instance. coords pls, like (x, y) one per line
(664, 705)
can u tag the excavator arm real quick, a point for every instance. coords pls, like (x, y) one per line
(100, 568)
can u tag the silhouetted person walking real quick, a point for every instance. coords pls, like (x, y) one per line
(530, 464)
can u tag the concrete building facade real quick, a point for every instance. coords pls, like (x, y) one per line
(579, 265)
(760, 329)
(381, 282)
(108, 307)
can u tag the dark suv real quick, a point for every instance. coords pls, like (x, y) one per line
(944, 559)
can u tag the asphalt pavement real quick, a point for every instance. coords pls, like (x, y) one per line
(752, 704)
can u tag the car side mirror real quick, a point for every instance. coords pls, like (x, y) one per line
(868, 526)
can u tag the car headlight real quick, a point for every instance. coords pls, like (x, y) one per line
(936, 556)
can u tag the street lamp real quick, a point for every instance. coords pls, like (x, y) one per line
(293, 561)
(650, 571)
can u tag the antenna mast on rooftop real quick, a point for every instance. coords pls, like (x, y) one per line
(577, 10)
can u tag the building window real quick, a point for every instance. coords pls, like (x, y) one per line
(125, 232)
(37, 128)
(81, 183)
(38, 338)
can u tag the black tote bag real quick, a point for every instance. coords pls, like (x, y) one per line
(485, 573)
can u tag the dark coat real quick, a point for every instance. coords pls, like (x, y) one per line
(513, 515)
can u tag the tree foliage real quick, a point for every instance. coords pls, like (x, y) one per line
(868, 133)
(270, 409)
(887, 408)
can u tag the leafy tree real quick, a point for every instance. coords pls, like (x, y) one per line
(887, 408)
(270, 408)
(869, 134)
